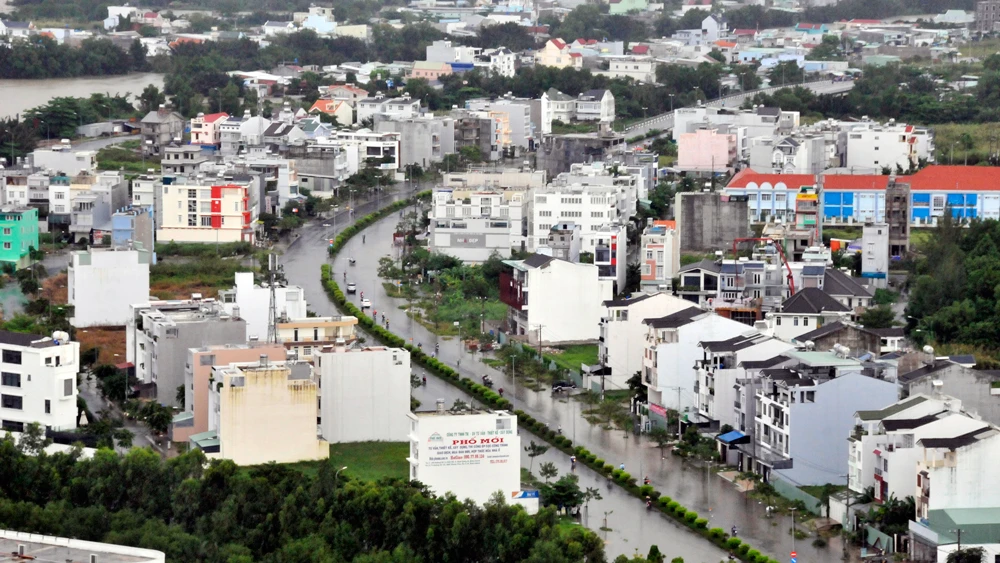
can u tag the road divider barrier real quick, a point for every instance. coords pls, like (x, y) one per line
(493, 399)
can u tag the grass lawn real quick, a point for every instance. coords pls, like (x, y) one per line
(817, 490)
(572, 356)
(973, 141)
(205, 275)
(920, 237)
(372, 461)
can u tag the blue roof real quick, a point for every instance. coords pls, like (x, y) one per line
(730, 437)
(813, 270)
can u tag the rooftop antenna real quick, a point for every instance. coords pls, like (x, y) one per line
(272, 310)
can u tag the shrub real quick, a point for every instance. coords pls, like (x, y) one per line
(598, 462)
(645, 490)
(608, 468)
(655, 495)
(691, 516)
(680, 511)
(752, 554)
(716, 534)
(624, 477)
(616, 473)
(819, 542)
(700, 523)
(734, 543)
(673, 505)
(665, 502)
(743, 548)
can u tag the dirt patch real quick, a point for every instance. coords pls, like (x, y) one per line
(109, 341)
(181, 289)
(56, 289)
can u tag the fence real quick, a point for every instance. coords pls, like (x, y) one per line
(793, 493)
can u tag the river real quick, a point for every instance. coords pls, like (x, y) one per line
(16, 96)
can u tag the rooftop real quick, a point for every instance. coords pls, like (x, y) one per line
(836, 282)
(811, 301)
(26, 340)
(759, 364)
(675, 320)
(891, 409)
(627, 301)
(51, 548)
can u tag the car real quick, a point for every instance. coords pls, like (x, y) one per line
(352, 287)
(326, 224)
(366, 303)
(563, 385)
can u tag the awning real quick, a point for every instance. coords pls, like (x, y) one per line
(878, 452)
(734, 437)
(126, 365)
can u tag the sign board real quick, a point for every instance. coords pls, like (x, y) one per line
(477, 447)
(657, 409)
(794, 554)
(468, 241)
(524, 494)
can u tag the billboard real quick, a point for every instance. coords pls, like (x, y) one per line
(468, 241)
(476, 447)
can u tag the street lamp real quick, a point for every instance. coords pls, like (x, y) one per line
(671, 103)
(337, 476)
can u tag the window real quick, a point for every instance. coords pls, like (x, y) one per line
(649, 255)
(752, 197)
(68, 385)
(6, 246)
(540, 199)
(171, 332)
(205, 194)
(765, 197)
(777, 321)
(207, 360)
(545, 214)
(192, 220)
(938, 201)
(6, 230)
(13, 426)
(11, 402)
(597, 214)
(60, 195)
(795, 321)
(206, 221)
(48, 406)
(449, 211)
(10, 379)
(205, 207)
(11, 357)
(192, 194)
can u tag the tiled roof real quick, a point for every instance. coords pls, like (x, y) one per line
(811, 301)
(213, 117)
(891, 409)
(793, 181)
(953, 178)
(537, 260)
(959, 441)
(626, 302)
(559, 43)
(707, 265)
(828, 328)
(836, 282)
(640, 49)
(855, 182)
(675, 320)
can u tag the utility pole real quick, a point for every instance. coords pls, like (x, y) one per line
(847, 515)
(272, 310)
(540, 344)
(793, 527)
(959, 532)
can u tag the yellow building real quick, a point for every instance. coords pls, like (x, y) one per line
(303, 336)
(263, 412)
(206, 213)
(556, 53)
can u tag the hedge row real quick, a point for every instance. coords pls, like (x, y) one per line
(489, 397)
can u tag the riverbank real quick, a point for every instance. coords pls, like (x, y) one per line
(22, 95)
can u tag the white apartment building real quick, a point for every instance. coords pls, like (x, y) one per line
(805, 154)
(38, 381)
(659, 256)
(623, 334)
(262, 412)
(630, 186)
(423, 139)
(807, 310)
(553, 300)
(640, 69)
(38, 546)
(499, 61)
(364, 393)
(471, 454)
(472, 224)
(589, 206)
(103, 282)
(402, 107)
(758, 122)
(872, 146)
(302, 337)
(194, 212)
(252, 303)
(608, 244)
(64, 160)
(518, 116)
(494, 178)
(146, 191)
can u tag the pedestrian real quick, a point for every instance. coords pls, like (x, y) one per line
(734, 531)
(572, 462)
(500, 390)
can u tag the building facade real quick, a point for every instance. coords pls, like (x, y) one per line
(206, 213)
(38, 383)
(252, 302)
(473, 224)
(102, 283)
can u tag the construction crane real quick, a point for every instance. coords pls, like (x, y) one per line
(781, 255)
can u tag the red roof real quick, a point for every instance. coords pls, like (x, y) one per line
(558, 43)
(728, 44)
(575, 55)
(954, 178)
(350, 88)
(587, 41)
(744, 32)
(213, 117)
(809, 26)
(855, 182)
(748, 175)
(150, 15)
(640, 49)
(325, 106)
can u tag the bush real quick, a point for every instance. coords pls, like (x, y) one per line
(616, 473)
(752, 555)
(743, 548)
(700, 523)
(690, 517)
(680, 511)
(624, 477)
(734, 543)
(645, 490)
(673, 505)
(599, 462)
(717, 534)
(665, 502)
(819, 542)
(608, 468)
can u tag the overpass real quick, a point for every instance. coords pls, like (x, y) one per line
(665, 121)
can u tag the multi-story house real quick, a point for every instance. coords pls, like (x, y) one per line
(365, 393)
(472, 224)
(423, 140)
(160, 128)
(623, 333)
(230, 135)
(64, 160)
(306, 336)
(872, 146)
(499, 61)
(38, 383)
(18, 234)
(552, 300)
(185, 159)
(252, 302)
(699, 281)
(205, 129)
(595, 105)
(974, 388)
(638, 68)
(159, 333)
(403, 107)
(659, 256)
(759, 122)
(193, 211)
(607, 244)
(556, 53)
(707, 151)
(103, 282)
(800, 404)
(808, 309)
(518, 117)
(799, 154)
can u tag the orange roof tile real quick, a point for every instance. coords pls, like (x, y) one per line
(794, 181)
(855, 182)
(954, 178)
(213, 117)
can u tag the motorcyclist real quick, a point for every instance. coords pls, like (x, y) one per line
(572, 462)
(645, 480)
(424, 380)
(649, 503)
(500, 391)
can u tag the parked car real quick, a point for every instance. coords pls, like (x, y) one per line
(366, 303)
(563, 386)
(352, 287)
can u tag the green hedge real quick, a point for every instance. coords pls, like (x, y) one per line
(489, 397)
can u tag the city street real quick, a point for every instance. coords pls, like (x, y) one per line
(711, 496)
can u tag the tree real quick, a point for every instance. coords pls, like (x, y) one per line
(827, 50)
(654, 555)
(156, 416)
(29, 286)
(591, 494)
(633, 278)
(563, 493)
(786, 72)
(660, 436)
(966, 555)
(547, 470)
(137, 56)
(534, 450)
(881, 316)
(229, 99)
(151, 99)
(33, 440)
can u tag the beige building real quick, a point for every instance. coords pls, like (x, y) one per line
(301, 337)
(262, 412)
(556, 53)
(206, 213)
(198, 372)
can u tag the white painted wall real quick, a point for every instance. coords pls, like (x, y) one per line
(364, 394)
(254, 302)
(625, 340)
(102, 284)
(566, 300)
(44, 374)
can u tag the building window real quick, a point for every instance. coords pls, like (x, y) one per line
(11, 402)
(192, 220)
(6, 230)
(6, 246)
(48, 406)
(13, 426)
(192, 194)
(545, 214)
(68, 387)
(10, 379)
(795, 321)
(206, 221)
(207, 360)
(11, 357)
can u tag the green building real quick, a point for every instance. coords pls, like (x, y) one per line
(18, 233)
(622, 7)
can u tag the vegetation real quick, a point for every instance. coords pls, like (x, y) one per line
(372, 461)
(205, 275)
(43, 57)
(570, 357)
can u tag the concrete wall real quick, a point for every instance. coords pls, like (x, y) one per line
(557, 152)
(625, 340)
(970, 386)
(365, 394)
(707, 223)
(102, 285)
(857, 340)
(172, 352)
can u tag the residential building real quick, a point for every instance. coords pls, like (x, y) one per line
(987, 15)
(365, 393)
(800, 403)
(194, 212)
(16, 29)
(565, 299)
(159, 333)
(160, 128)
(475, 129)
(622, 7)
(875, 254)
(252, 302)
(709, 221)
(944, 376)
(402, 107)
(494, 177)
(230, 136)
(706, 151)
(134, 227)
(659, 256)
(303, 337)
(855, 338)
(38, 381)
(595, 105)
(103, 282)
(272, 28)
(18, 234)
(608, 244)
(891, 339)
(499, 61)
(185, 159)
(341, 110)
(471, 454)
(38, 546)
(669, 355)
(556, 53)
(472, 224)
(262, 412)
(623, 334)
(443, 51)
(423, 140)
(63, 160)
(518, 117)
(556, 106)
(589, 206)
(198, 378)
(699, 282)
(346, 92)
(874, 147)
(556, 154)
(759, 122)
(564, 242)
(429, 70)
(808, 309)
(798, 154)
(205, 129)
(638, 68)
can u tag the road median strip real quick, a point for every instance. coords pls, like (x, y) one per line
(487, 396)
